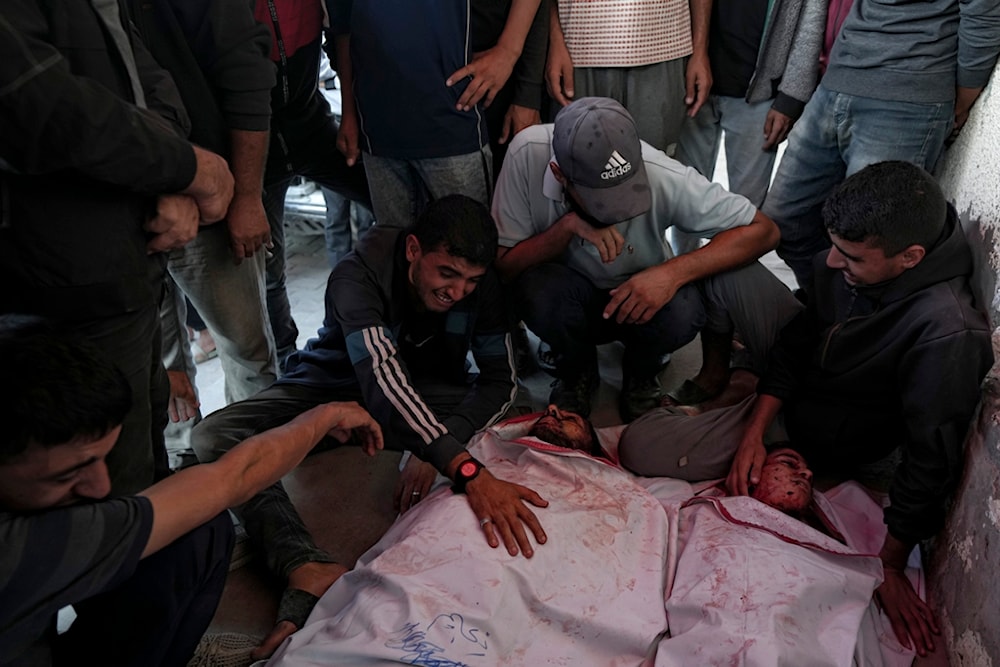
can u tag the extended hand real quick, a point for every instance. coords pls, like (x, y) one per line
(698, 81)
(489, 71)
(746, 467)
(351, 418)
(414, 483)
(175, 223)
(776, 128)
(641, 296)
(504, 505)
(911, 617)
(248, 226)
(516, 119)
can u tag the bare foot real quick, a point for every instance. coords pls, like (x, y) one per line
(313, 578)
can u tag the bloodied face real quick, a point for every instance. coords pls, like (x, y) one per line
(785, 482)
(563, 428)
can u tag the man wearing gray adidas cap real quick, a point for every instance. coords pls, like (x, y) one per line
(582, 207)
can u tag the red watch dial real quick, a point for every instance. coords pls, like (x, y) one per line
(466, 469)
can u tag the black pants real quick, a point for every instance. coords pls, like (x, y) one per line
(157, 616)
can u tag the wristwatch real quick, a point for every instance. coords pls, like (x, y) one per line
(467, 471)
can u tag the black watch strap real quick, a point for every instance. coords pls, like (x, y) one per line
(466, 471)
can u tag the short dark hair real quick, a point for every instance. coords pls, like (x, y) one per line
(891, 205)
(459, 225)
(54, 387)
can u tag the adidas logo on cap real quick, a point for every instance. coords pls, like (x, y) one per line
(615, 167)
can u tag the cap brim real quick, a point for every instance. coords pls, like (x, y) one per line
(617, 203)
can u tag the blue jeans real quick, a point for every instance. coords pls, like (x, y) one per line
(344, 220)
(401, 189)
(566, 310)
(748, 165)
(838, 135)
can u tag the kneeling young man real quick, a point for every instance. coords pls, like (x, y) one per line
(582, 207)
(144, 573)
(403, 311)
(889, 353)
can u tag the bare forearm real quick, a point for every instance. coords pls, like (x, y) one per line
(192, 496)
(701, 17)
(765, 411)
(247, 161)
(519, 19)
(345, 72)
(895, 553)
(728, 250)
(538, 249)
(555, 27)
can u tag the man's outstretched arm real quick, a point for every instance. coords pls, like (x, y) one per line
(194, 495)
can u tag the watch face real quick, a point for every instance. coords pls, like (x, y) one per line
(467, 468)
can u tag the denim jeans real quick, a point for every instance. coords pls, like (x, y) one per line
(345, 219)
(748, 165)
(566, 310)
(230, 299)
(319, 160)
(838, 135)
(401, 189)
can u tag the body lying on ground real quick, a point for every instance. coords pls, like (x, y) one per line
(625, 581)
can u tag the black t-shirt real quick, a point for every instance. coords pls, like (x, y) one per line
(733, 43)
(57, 557)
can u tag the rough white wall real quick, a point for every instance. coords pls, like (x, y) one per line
(966, 557)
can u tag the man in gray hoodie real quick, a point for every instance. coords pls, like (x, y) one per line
(902, 77)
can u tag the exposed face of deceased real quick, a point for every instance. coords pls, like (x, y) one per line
(564, 429)
(42, 477)
(439, 280)
(785, 482)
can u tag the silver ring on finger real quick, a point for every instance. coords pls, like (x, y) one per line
(485, 521)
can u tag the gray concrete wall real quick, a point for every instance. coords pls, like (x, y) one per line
(965, 558)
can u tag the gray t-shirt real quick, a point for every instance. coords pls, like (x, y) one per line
(528, 200)
(57, 557)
